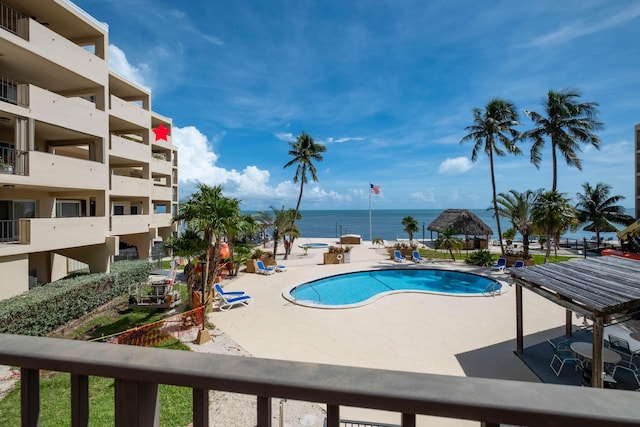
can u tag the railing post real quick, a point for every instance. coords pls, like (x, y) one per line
(30, 397)
(408, 420)
(200, 407)
(333, 416)
(79, 400)
(264, 411)
(136, 404)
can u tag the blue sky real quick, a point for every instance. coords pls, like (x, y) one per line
(387, 86)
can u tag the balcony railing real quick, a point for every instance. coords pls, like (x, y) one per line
(14, 21)
(138, 372)
(9, 230)
(13, 162)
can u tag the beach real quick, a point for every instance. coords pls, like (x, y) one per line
(449, 335)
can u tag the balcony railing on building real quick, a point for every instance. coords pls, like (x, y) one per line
(14, 92)
(9, 230)
(12, 161)
(139, 371)
(14, 21)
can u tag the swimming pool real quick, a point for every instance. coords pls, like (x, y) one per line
(360, 288)
(314, 245)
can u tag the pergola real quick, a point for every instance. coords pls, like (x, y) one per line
(597, 288)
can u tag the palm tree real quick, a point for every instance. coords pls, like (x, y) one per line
(517, 207)
(212, 214)
(281, 223)
(410, 227)
(566, 123)
(489, 130)
(304, 151)
(448, 239)
(596, 206)
(189, 244)
(552, 214)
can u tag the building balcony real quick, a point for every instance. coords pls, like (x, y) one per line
(129, 112)
(161, 166)
(161, 220)
(139, 371)
(53, 50)
(50, 170)
(129, 224)
(129, 149)
(72, 113)
(161, 193)
(129, 186)
(47, 234)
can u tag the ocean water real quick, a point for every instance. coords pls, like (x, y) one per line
(387, 224)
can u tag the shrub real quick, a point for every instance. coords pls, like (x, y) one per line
(482, 258)
(42, 309)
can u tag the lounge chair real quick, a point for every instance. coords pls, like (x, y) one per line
(563, 354)
(231, 294)
(264, 270)
(518, 264)
(501, 265)
(621, 346)
(228, 301)
(417, 258)
(397, 256)
(281, 268)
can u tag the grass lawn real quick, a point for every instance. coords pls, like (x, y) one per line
(462, 255)
(55, 390)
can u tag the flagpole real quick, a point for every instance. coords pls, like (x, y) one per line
(370, 234)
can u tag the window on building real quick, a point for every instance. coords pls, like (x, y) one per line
(118, 209)
(68, 208)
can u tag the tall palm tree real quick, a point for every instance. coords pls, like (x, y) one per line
(552, 214)
(517, 207)
(490, 130)
(211, 213)
(410, 227)
(597, 206)
(566, 122)
(304, 151)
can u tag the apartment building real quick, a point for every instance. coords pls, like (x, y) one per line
(86, 166)
(637, 172)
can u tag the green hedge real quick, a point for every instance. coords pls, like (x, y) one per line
(42, 309)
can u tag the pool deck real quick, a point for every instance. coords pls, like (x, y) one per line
(463, 336)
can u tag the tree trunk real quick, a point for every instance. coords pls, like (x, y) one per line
(555, 165)
(495, 202)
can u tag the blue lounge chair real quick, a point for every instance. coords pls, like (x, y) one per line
(518, 264)
(281, 268)
(264, 270)
(500, 266)
(228, 301)
(417, 258)
(397, 256)
(231, 294)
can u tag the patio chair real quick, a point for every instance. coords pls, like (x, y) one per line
(634, 371)
(228, 301)
(232, 294)
(264, 270)
(500, 265)
(621, 346)
(518, 264)
(417, 258)
(397, 256)
(563, 354)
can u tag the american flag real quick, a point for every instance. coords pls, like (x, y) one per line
(375, 189)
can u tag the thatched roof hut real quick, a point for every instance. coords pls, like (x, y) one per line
(464, 221)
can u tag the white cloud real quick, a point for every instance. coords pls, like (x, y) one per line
(455, 166)
(285, 136)
(118, 62)
(420, 196)
(332, 140)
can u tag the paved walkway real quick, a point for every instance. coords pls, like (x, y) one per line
(463, 336)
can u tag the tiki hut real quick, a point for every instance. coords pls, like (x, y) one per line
(466, 223)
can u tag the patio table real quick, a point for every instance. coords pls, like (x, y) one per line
(585, 349)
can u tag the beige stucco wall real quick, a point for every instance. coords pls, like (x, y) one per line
(14, 275)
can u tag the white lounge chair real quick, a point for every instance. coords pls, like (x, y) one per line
(280, 268)
(397, 256)
(518, 264)
(264, 270)
(501, 264)
(417, 258)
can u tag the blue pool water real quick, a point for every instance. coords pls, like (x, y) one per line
(314, 245)
(351, 289)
